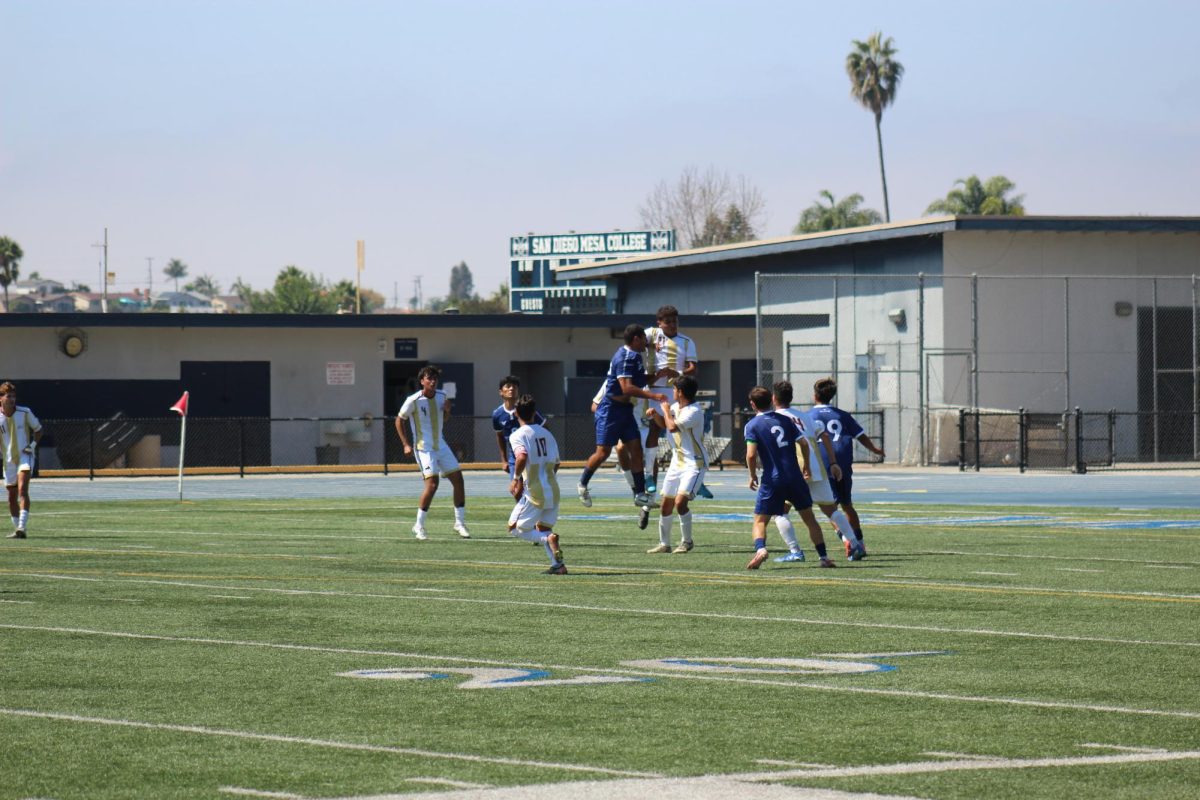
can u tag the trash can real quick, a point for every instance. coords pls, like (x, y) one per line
(328, 454)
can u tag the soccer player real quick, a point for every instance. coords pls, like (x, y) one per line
(843, 430)
(626, 381)
(504, 419)
(669, 354)
(426, 411)
(684, 422)
(535, 484)
(816, 473)
(772, 437)
(622, 453)
(20, 433)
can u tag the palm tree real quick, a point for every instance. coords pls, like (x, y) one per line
(836, 214)
(979, 197)
(874, 78)
(206, 285)
(10, 259)
(175, 269)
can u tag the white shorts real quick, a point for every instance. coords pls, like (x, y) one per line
(13, 467)
(682, 480)
(435, 462)
(525, 515)
(822, 492)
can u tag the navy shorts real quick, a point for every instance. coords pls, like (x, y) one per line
(773, 498)
(841, 489)
(615, 423)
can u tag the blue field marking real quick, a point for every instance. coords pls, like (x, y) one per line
(530, 675)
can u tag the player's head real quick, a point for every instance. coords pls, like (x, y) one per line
(668, 319)
(782, 392)
(685, 386)
(428, 376)
(824, 390)
(510, 387)
(526, 408)
(635, 337)
(760, 398)
(8, 396)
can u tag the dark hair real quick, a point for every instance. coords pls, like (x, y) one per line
(526, 408)
(825, 389)
(783, 392)
(760, 398)
(7, 388)
(429, 371)
(687, 385)
(632, 331)
(510, 380)
(666, 311)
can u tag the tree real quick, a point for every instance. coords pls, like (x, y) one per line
(295, 292)
(874, 78)
(495, 303)
(10, 261)
(835, 214)
(242, 289)
(978, 197)
(175, 269)
(686, 206)
(206, 285)
(462, 284)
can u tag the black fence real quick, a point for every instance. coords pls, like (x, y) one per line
(1078, 441)
(123, 445)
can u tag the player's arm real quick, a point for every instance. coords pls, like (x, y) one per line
(804, 454)
(866, 442)
(522, 457)
(503, 450)
(628, 389)
(834, 470)
(752, 462)
(666, 419)
(445, 411)
(405, 411)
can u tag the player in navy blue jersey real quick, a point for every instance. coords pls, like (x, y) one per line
(504, 420)
(771, 438)
(615, 422)
(843, 430)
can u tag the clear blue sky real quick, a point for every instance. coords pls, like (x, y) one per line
(245, 135)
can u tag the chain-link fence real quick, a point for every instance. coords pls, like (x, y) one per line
(917, 348)
(136, 446)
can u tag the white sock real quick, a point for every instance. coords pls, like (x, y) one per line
(549, 553)
(685, 524)
(421, 516)
(787, 532)
(628, 477)
(664, 529)
(16, 521)
(23, 520)
(460, 515)
(529, 535)
(843, 525)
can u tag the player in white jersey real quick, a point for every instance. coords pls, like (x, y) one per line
(814, 473)
(684, 422)
(20, 433)
(535, 483)
(669, 354)
(426, 412)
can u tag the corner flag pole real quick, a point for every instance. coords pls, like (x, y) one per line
(180, 408)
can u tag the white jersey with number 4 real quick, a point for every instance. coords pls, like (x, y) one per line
(541, 454)
(425, 416)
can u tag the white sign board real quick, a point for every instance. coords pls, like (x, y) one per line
(339, 373)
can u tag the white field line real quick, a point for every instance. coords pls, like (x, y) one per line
(772, 762)
(19, 602)
(1076, 569)
(232, 596)
(999, 574)
(1168, 566)
(968, 764)
(239, 790)
(1079, 559)
(1054, 637)
(249, 556)
(326, 743)
(1124, 748)
(448, 782)
(665, 673)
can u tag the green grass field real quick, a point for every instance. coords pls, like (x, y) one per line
(207, 650)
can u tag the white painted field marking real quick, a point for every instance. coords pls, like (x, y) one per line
(969, 764)
(1167, 566)
(448, 782)
(771, 762)
(645, 611)
(1042, 557)
(19, 602)
(244, 792)
(129, 600)
(708, 676)
(158, 552)
(327, 743)
(232, 596)
(960, 756)
(419, 589)
(1124, 748)
(1076, 569)
(1000, 574)
(487, 677)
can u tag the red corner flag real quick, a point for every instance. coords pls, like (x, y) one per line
(180, 406)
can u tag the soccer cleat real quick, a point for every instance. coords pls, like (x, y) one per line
(791, 557)
(704, 492)
(557, 569)
(552, 541)
(760, 556)
(461, 530)
(585, 496)
(643, 518)
(19, 533)
(863, 548)
(849, 549)
(858, 554)
(641, 499)
(419, 532)
(662, 548)
(651, 485)
(827, 564)
(683, 547)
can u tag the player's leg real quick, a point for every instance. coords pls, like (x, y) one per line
(606, 437)
(686, 483)
(623, 463)
(460, 503)
(844, 489)
(814, 533)
(759, 534)
(14, 509)
(23, 478)
(633, 443)
(786, 530)
(649, 433)
(666, 520)
(545, 527)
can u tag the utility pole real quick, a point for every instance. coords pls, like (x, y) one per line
(362, 259)
(149, 277)
(104, 274)
(417, 293)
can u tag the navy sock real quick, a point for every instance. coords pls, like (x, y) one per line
(821, 550)
(639, 483)
(858, 533)
(586, 476)
(760, 544)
